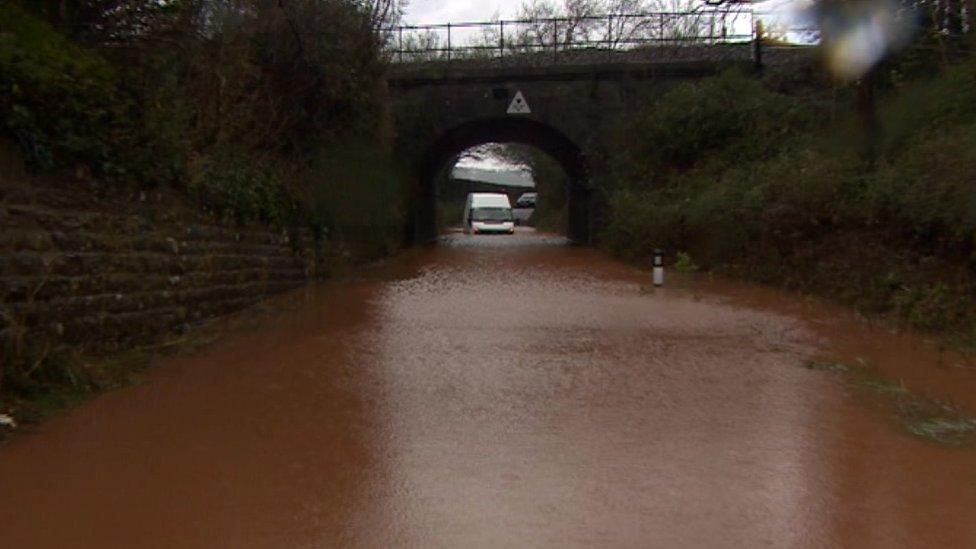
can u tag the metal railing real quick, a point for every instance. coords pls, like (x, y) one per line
(559, 39)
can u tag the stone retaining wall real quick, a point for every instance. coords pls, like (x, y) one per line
(85, 265)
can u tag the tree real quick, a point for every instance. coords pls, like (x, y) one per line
(616, 24)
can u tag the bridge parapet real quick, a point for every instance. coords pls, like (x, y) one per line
(699, 42)
(533, 66)
(556, 40)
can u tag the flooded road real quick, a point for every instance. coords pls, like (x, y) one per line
(506, 392)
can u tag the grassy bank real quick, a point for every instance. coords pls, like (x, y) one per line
(783, 190)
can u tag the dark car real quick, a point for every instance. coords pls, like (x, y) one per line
(527, 200)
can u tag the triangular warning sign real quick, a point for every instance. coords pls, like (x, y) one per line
(519, 105)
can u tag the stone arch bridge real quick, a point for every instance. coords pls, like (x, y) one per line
(574, 113)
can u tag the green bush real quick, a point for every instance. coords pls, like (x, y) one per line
(927, 194)
(61, 104)
(641, 221)
(918, 108)
(809, 212)
(231, 114)
(931, 306)
(248, 191)
(356, 195)
(720, 217)
(684, 263)
(694, 118)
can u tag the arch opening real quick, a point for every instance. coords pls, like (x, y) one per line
(450, 145)
(534, 182)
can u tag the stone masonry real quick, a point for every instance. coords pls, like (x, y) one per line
(106, 270)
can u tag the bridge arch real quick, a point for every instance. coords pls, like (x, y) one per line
(506, 129)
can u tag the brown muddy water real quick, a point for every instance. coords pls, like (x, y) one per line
(507, 392)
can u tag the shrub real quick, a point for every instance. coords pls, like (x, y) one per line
(684, 264)
(228, 99)
(719, 218)
(695, 118)
(917, 108)
(931, 306)
(356, 195)
(808, 212)
(927, 194)
(61, 104)
(247, 190)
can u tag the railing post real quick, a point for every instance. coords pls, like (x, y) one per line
(448, 41)
(400, 47)
(757, 46)
(555, 39)
(501, 39)
(609, 37)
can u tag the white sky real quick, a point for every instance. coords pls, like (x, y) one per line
(444, 11)
(482, 157)
(421, 12)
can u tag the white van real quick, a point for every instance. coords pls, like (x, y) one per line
(488, 213)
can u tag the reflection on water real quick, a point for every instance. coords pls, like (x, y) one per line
(505, 391)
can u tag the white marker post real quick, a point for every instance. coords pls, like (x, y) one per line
(658, 268)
